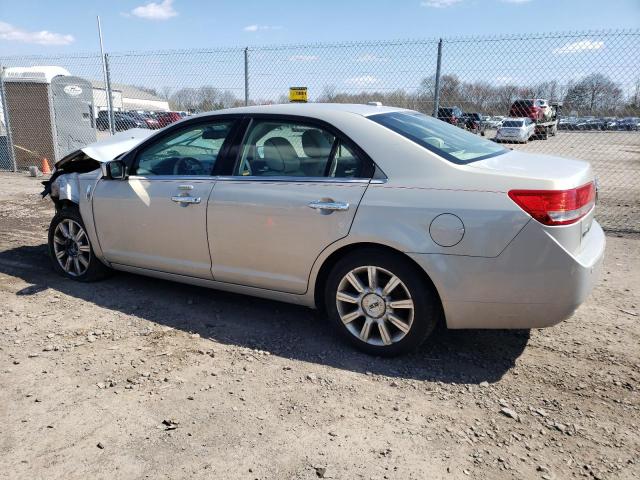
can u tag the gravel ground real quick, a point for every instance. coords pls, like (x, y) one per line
(140, 378)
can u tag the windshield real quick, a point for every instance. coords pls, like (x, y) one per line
(451, 143)
(512, 123)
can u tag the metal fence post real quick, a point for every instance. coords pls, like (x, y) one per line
(246, 76)
(107, 81)
(108, 92)
(436, 93)
(7, 124)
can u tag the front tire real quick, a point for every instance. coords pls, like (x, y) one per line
(380, 302)
(70, 249)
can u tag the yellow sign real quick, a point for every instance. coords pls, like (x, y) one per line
(298, 94)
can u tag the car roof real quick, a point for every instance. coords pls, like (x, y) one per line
(521, 119)
(308, 109)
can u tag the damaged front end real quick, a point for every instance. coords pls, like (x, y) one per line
(64, 185)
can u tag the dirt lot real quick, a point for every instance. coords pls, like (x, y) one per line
(139, 378)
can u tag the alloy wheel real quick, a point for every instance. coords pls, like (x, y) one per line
(375, 305)
(71, 247)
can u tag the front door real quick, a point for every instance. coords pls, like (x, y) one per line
(294, 190)
(156, 218)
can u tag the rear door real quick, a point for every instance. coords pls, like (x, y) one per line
(294, 189)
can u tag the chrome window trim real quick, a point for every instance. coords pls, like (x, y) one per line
(189, 178)
(290, 179)
(255, 178)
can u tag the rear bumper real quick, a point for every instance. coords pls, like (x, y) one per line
(535, 282)
(515, 137)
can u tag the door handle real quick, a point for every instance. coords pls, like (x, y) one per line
(185, 200)
(327, 205)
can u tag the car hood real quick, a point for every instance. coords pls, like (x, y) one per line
(117, 144)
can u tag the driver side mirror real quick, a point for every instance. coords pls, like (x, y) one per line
(114, 170)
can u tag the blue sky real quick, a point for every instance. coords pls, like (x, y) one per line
(45, 27)
(302, 31)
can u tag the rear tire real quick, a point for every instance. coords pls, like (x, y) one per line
(70, 249)
(389, 315)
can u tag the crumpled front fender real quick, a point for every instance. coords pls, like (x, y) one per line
(66, 187)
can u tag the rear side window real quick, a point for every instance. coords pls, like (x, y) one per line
(292, 149)
(448, 141)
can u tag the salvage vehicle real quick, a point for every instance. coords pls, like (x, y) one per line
(516, 130)
(452, 115)
(121, 121)
(388, 220)
(474, 123)
(495, 121)
(541, 112)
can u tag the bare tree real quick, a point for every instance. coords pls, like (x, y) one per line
(165, 92)
(595, 93)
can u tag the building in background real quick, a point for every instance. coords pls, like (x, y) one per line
(126, 97)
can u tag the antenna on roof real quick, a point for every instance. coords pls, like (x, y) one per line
(375, 104)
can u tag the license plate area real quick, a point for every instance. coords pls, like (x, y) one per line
(585, 223)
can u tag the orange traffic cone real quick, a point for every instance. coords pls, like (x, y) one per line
(45, 166)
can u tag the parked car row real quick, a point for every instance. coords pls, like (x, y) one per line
(137, 119)
(471, 121)
(593, 123)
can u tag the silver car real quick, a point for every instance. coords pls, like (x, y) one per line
(516, 130)
(388, 220)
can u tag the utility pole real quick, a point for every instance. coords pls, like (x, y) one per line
(107, 83)
(246, 76)
(436, 93)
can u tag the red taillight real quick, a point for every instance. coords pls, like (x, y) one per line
(556, 207)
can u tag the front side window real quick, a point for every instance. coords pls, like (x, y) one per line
(189, 151)
(290, 149)
(451, 143)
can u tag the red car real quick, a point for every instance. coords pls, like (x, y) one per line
(149, 120)
(533, 108)
(166, 118)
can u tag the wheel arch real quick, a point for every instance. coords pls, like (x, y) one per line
(65, 203)
(328, 263)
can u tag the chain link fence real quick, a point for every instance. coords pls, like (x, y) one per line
(593, 77)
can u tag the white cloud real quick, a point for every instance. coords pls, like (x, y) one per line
(43, 37)
(439, 3)
(362, 81)
(303, 58)
(371, 58)
(155, 11)
(257, 28)
(580, 46)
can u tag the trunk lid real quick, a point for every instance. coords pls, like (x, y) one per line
(526, 171)
(517, 169)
